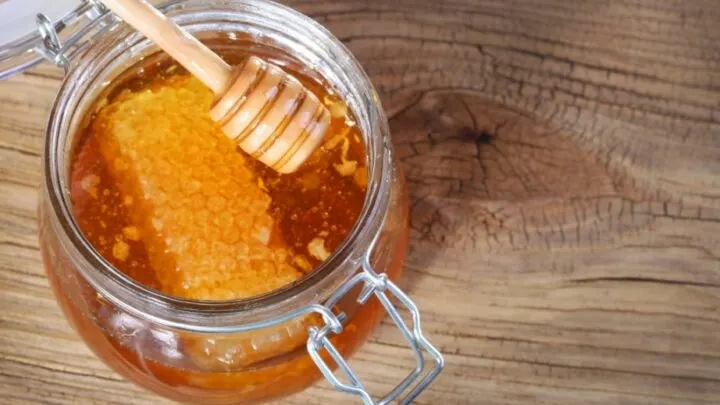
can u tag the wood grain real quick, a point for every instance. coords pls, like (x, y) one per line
(564, 162)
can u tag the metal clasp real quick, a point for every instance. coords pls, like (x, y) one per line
(59, 52)
(51, 48)
(380, 286)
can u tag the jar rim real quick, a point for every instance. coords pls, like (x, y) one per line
(231, 315)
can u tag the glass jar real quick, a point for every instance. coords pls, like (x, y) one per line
(243, 351)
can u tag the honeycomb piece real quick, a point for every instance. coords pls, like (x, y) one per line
(316, 248)
(228, 352)
(121, 250)
(201, 214)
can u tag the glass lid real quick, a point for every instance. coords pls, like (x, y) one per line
(33, 30)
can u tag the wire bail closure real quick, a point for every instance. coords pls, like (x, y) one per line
(51, 48)
(382, 288)
(60, 52)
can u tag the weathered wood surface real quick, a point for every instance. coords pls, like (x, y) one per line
(564, 161)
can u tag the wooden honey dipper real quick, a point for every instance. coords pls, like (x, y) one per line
(265, 110)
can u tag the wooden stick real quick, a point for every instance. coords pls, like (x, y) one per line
(266, 111)
(197, 58)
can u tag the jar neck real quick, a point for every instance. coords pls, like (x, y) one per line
(272, 25)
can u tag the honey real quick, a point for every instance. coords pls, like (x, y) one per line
(138, 158)
(162, 193)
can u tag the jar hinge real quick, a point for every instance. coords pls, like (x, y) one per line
(382, 288)
(59, 51)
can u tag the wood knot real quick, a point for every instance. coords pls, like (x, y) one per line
(477, 136)
(464, 146)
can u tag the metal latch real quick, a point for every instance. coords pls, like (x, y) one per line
(60, 52)
(382, 288)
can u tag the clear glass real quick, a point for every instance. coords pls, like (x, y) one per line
(228, 352)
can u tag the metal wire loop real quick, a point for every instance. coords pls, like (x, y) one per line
(381, 287)
(51, 48)
(78, 29)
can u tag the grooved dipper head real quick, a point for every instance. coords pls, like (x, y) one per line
(271, 115)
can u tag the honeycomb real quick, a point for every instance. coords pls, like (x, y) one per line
(202, 215)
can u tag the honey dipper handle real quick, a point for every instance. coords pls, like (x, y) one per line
(183, 47)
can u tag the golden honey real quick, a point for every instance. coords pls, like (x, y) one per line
(161, 192)
(158, 191)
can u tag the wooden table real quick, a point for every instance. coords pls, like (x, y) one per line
(564, 162)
